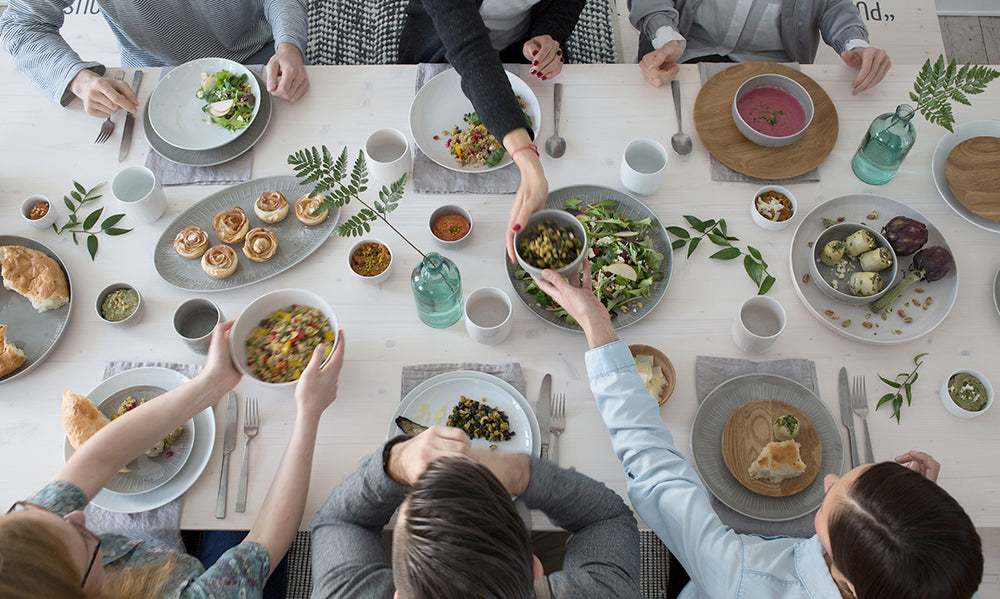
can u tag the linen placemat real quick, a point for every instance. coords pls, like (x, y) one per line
(509, 372)
(721, 172)
(159, 526)
(431, 177)
(710, 372)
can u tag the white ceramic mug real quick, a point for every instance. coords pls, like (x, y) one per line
(140, 194)
(388, 154)
(488, 315)
(644, 163)
(194, 321)
(758, 323)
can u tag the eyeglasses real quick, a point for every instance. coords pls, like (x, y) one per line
(87, 535)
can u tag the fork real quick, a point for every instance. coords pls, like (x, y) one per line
(108, 126)
(250, 429)
(557, 424)
(859, 402)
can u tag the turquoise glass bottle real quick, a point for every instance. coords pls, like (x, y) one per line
(886, 143)
(437, 289)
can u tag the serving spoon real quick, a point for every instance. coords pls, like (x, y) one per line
(680, 142)
(555, 146)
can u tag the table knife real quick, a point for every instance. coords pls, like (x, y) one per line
(544, 413)
(847, 417)
(129, 120)
(227, 448)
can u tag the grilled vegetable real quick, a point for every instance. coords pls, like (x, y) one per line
(408, 426)
(859, 242)
(865, 283)
(929, 264)
(832, 252)
(480, 420)
(905, 235)
(876, 260)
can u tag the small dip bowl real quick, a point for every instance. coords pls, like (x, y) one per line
(957, 410)
(821, 274)
(41, 222)
(113, 303)
(769, 191)
(666, 366)
(451, 226)
(772, 110)
(558, 218)
(364, 246)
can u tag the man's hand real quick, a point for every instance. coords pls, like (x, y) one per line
(545, 56)
(102, 97)
(317, 387)
(513, 470)
(660, 66)
(409, 459)
(872, 65)
(922, 463)
(579, 300)
(286, 73)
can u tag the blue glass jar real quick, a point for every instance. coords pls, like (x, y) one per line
(885, 145)
(437, 289)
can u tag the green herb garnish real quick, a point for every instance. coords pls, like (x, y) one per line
(902, 388)
(718, 233)
(74, 202)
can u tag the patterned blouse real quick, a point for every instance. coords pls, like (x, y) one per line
(240, 572)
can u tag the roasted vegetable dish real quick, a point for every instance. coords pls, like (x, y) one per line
(550, 245)
(480, 420)
(279, 348)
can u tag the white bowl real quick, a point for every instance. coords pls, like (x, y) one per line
(952, 407)
(129, 320)
(375, 279)
(450, 209)
(785, 84)
(263, 307)
(841, 231)
(766, 223)
(39, 223)
(560, 217)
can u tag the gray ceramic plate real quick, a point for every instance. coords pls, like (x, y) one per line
(996, 291)
(630, 208)
(34, 332)
(295, 240)
(706, 445)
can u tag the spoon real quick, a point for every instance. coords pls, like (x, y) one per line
(680, 142)
(555, 146)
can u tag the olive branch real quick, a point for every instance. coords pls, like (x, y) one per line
(901, 388)
(939, 84)
(717, 231)
(76, 199)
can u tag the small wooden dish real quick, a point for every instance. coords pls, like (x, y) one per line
(659, 359)
(973, 174)
(750, 429)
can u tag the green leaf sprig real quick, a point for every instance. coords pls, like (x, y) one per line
(939, 84)
(74, 202)
(718, 233)
(902, 388)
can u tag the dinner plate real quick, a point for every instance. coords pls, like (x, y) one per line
(833, 314)
(440, 105)
(430, 403)
(34, 332)
(943, 149)
(295, 240)
(706, 445)
(630, 208)
(996, 292)
(222, 154)
(176, 114)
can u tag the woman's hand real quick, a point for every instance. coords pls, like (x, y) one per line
(578, 298)
(286, 74)
(102, 97)
(408, 460)
(922, 463)
(219, 364)
(545, 56)
(872, 65)
(317, 387)
(534, 188)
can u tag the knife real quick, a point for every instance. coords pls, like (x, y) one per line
(847, 417)
(227, 448)
(129, 120)
(544, 412)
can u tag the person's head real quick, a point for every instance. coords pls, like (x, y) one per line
(891, 533)
(458, 535)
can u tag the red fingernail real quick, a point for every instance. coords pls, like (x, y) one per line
(535, 53)
(535, 63)
(517, 228)
(544, 77)
(532, 71)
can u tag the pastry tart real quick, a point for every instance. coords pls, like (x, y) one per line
(231, 225)
(219, 261)
(305, 206)
(271, 207)
(260, 244)
(191, 242)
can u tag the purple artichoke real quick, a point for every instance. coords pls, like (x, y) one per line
(929, 264)
(905, 235)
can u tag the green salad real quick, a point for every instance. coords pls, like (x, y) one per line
(623, 263)
(229, 101)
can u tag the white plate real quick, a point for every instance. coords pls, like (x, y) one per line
(996, 291)
(442, 392)
(176, 114)
(440, 105)
(854, 208)
(941, 152)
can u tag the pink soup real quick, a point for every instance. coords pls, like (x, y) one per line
(772, 111)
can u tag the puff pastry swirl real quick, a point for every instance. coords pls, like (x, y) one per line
(271, 207)
(219, 261)
(260, 244)
(231, 225)
(191, 242)
(304, 207)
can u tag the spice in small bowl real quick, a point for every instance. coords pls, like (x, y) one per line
(773, 207)
(451, 226)
(38, 211)
(966, 393)
(119, 304)
(371, 260)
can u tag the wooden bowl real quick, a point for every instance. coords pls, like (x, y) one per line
(659, 359)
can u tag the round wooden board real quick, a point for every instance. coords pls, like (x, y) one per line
(749, 429)
(666, 366)
(973, 174)
(714, 121)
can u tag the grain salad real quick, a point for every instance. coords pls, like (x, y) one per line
(279, 348)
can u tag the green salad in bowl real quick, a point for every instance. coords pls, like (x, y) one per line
(229, 99)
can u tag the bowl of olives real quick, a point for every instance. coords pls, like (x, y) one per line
(853, 263)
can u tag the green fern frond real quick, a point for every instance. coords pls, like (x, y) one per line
(940, 83)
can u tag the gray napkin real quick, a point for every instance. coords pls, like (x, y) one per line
(160, 526)
(431, 177)
(710, 372)
(509, 372)
(721, 172)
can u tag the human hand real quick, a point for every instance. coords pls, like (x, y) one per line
(921, 463)
(408, 460)
(577, 297)
(317, 387)
(660, 66)
(545, 56)
(286, 74)
(530, 197)
(101, 96)
(513, 470)
(872, 65)
(219, 365)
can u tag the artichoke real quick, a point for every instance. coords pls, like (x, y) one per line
(905, 235)
(929, 264)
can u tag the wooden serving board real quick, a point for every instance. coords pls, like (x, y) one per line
(973, 174)
(749, 429)
(713, 118)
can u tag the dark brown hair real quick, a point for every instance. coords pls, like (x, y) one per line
(899, 535)
(462, 537)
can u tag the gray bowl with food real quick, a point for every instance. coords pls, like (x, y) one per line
(853, 263)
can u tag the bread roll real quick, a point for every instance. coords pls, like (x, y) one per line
(35, 276)
(305, 206)
(778, 461)
(11, 357)
(80, 418)
(271, 207)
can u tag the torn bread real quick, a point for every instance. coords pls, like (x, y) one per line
(778, 461)
(80, 418)
(11, 357)
(35, 276)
